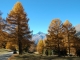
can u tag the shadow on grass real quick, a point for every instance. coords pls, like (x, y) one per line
(39, 57)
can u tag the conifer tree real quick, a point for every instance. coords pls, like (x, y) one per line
(54, 35)
(69, 32)
(17, 18)
(40, 46)
(2, 33)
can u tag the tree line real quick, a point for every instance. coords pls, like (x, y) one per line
(61, 39)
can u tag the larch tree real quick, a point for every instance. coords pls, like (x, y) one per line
(18, 19)
(69, 32)
(2, 33)
(40, 46)
(54, 35)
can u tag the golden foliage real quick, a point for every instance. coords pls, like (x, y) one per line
(40, 46)
(67, 24)
(54, 34)
(11, 45)
(55, 23)
(18, 8)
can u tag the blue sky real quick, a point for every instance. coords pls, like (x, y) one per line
(42, 12)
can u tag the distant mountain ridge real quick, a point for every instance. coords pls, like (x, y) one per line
(38, 36)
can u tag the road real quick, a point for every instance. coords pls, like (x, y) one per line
(5, 56)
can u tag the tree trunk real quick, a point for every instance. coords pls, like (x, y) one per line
(19, 39)
(69, 44)
(58, 49)
(20, 47)
(58, 46)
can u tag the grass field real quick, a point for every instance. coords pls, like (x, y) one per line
(39, 57)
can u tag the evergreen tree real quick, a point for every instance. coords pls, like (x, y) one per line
(17, 18)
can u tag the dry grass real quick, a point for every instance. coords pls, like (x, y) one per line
(4, 51)
(39, 57)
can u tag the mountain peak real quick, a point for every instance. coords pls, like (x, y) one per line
(39, 36)
(40, 32)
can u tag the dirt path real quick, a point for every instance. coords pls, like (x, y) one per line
(5, 56)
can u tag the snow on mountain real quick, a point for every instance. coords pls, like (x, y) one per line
(77, 30)
(38, 36)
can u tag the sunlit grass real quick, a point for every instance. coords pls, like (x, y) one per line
(39, 57)
(4, 51)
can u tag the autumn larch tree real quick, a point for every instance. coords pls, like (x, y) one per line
(69, 32)
(54, 34)
(40, 46)
(2, 33)
(17, 17)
